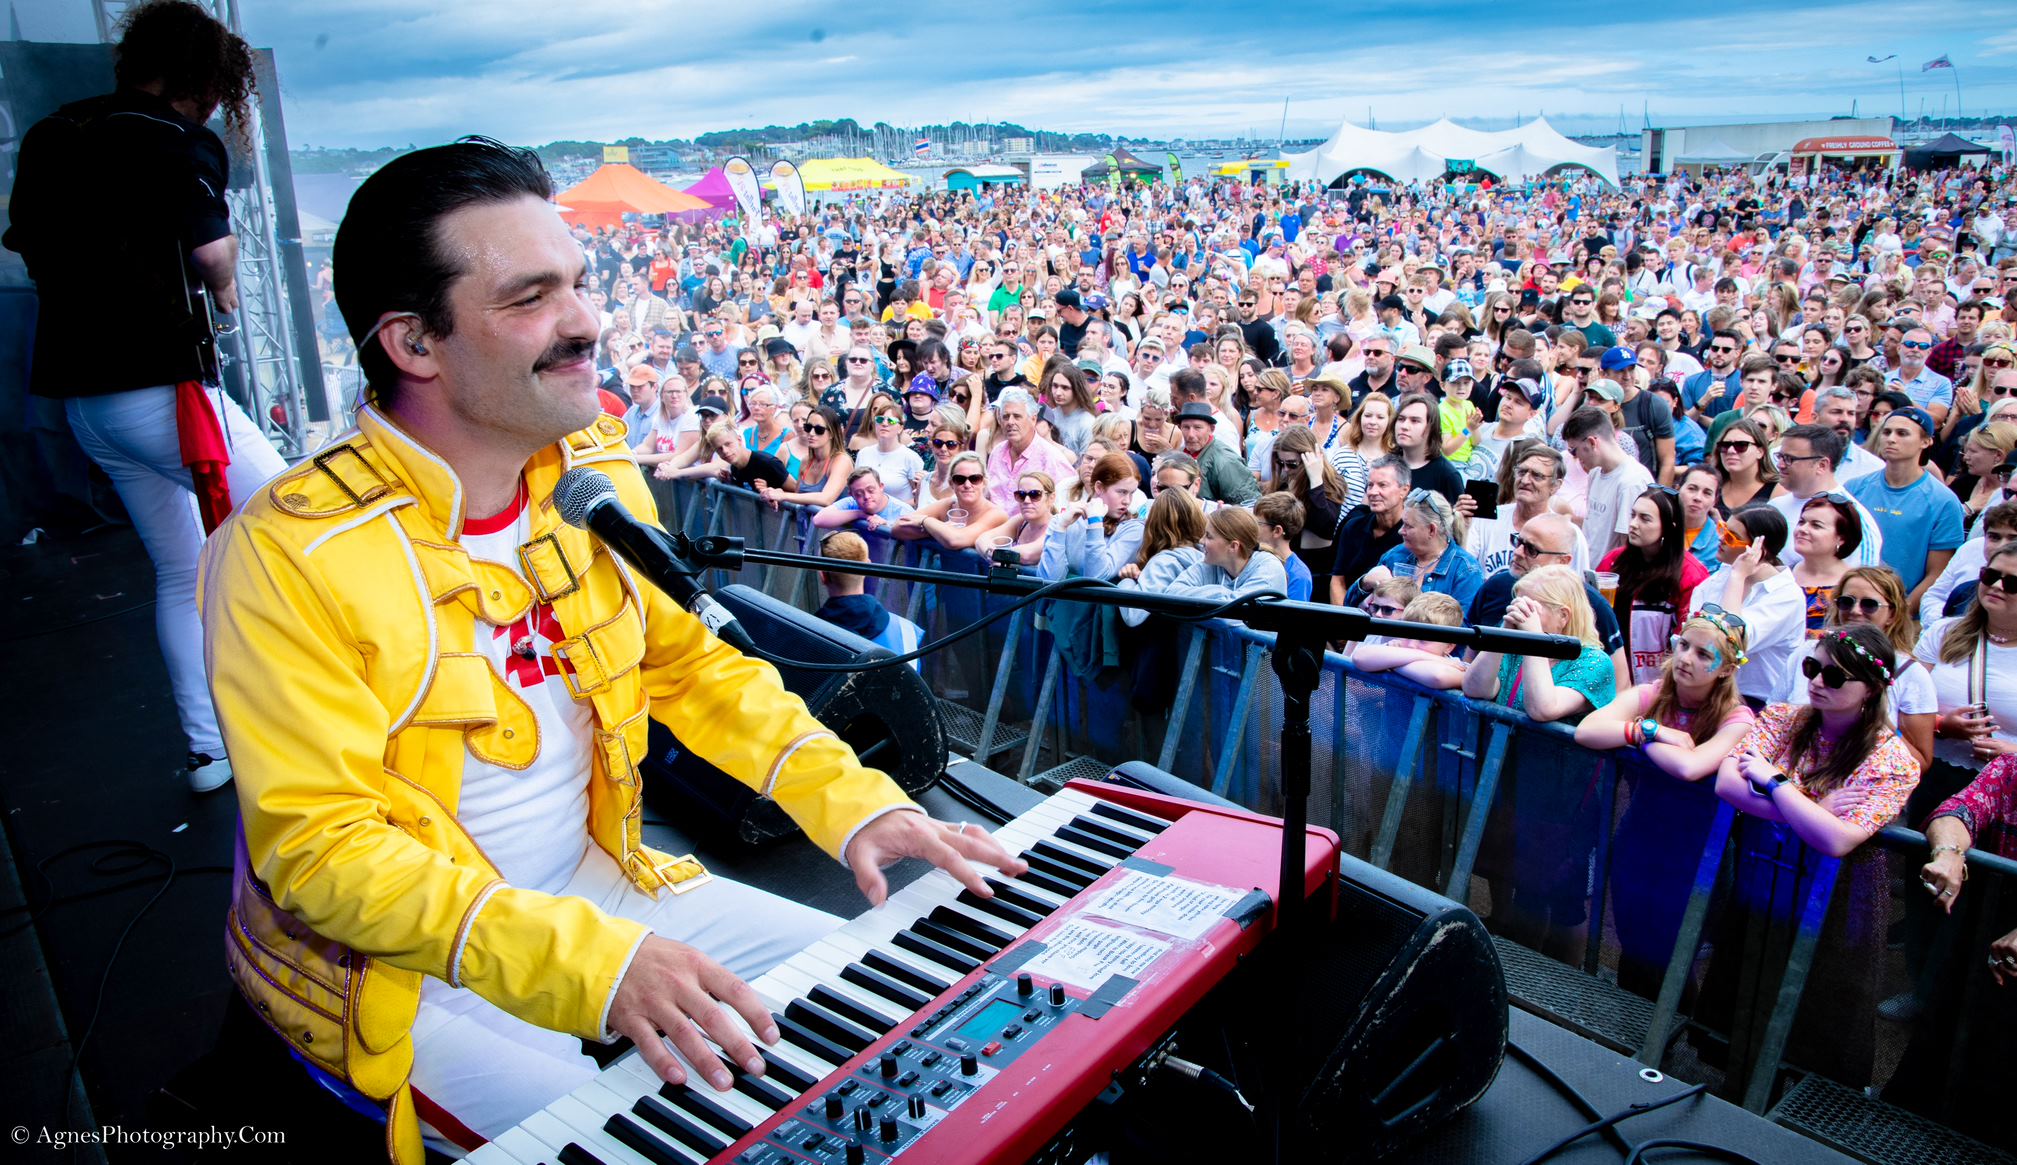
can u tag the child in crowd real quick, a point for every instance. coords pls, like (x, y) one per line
(1281, 519)
(1425, 661)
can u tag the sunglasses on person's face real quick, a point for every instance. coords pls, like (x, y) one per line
(1522, 542)
(1993, 578)
(1725, 349)
(888, 419)
(858, 360)
(813, 430)
(1786, 357)
(1383, 610)
(968, 478)
(1831, 674)
(1855, 328)
(1736, 446)
(1846, 605)
(1028, 495)
(747, 361)
(1916, 345)
(1997, 362)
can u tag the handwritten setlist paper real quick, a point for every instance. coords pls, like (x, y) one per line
(1173, 906)
(1083, 954)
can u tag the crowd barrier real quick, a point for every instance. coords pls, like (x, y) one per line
(1635, 908)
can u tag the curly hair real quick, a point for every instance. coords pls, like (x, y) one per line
(192, 56)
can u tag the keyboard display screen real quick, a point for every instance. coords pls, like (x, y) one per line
(987, 1023)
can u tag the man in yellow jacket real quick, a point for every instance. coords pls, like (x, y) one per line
(434, 694)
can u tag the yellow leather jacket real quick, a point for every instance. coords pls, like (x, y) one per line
(340, 617)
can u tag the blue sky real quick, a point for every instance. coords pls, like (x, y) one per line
(377, 72)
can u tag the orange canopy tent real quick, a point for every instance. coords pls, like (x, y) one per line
(617, 189)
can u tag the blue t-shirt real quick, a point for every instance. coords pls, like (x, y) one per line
(1923, 517)
(1456, 573)
(1299, 579)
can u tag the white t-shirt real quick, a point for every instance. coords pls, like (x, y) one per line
(1610, 505)
(1967, 562)
(896, 469)
(1775, 614)
(532, 822)
(1490, 541)
(1950, 685)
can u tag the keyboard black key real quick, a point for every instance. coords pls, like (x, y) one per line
(1008, 912)
(833, 1027)
(1058, 855)
(911, 940)
(811, 1041)
(762, 1091)
(573, 1154)
(849, 1009)
(1128, 817)
(1100, 845)
(967, 924)
(884, 987)
(695, 1104)
(1044, 877)
(974, 950)
(1016, 896)
(776, 1067)
(903, 972)
(673, 1124)
(1099, 827)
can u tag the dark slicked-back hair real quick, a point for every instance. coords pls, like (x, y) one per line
(193, 57)
(388, 255)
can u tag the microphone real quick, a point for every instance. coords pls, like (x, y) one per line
(587, 500)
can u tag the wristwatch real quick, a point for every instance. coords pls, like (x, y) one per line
(1649, 730)
(1766, 789)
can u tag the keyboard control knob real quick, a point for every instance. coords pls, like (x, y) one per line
(862, 1119)
(887, 1066)
(1057, 995)
(969, 1065)
(887, 1130)
(856, 1155)
(917, 1108)
(1025, 986)
(836, 1108)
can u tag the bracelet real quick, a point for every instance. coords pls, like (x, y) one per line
(1946, 849)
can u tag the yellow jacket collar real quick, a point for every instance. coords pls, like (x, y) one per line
(439, 491)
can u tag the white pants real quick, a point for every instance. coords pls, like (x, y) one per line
(132, 436)
(490, 1070)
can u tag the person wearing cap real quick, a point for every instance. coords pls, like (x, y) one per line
(1519, 419)
(1642, 414)
(642, 382)
(1415, 371)
(1223, 476)
(1071, 323)
(1462, 421)
(1920, 520)
(1392, 312)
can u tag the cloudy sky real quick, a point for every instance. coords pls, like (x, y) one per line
(379, 72)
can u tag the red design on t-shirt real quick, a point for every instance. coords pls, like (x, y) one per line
(530, 659)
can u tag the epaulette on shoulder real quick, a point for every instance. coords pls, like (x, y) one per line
(342, 479)
(596, 442)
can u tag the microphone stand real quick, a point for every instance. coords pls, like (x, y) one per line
(1301, 630)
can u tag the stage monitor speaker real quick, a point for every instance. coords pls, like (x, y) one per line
(888, 715)
(1402, 1016)
(1395, 1022)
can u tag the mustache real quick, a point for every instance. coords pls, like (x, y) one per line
(565, 352)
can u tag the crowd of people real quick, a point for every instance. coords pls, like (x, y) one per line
(1751, 440)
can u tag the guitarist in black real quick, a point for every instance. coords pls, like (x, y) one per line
(132, 184)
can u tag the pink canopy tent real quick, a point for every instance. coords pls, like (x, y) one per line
(713, 189)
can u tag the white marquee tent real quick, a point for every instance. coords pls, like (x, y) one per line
(1421, 155)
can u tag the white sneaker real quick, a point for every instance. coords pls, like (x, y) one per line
(206, 772)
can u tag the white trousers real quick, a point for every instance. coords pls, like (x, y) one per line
(490, 1070)
(132, 436)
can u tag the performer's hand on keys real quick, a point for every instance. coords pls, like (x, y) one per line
(673, 988)
(952, 847)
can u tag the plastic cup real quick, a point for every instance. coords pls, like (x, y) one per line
(1607, 586)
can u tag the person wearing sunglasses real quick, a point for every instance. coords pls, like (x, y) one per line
(899, 466)
(1028, 528)
(1685, 721)
(1714, 390)
(1946, 356)
(1973, 658)
(963, 518)
(1874, 595)
(824, 467)
(1928, 389)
